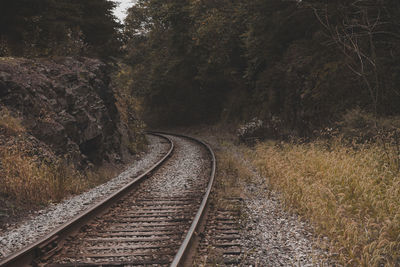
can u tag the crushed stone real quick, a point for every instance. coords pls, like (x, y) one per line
(182, 172)
(273, 236)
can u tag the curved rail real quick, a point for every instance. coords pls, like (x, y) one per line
(25, 256)
(185, 246)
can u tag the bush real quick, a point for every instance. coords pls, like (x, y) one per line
(257, 130)
(362, 126)
(251, 131)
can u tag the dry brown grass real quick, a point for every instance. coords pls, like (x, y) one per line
(9, 123)
(28, 181)
(351, 195)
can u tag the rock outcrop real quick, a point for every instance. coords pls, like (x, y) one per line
(66, 104)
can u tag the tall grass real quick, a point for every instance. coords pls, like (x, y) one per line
(9, 123)
(28, 181)
(350, 194)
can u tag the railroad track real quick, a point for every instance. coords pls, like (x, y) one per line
(150, 222)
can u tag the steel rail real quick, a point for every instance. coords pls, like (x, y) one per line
(183, 251)
(25, 256)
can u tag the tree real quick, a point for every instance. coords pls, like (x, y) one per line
(59, 27)
(100, 28)
(305, 62)
(364, 31)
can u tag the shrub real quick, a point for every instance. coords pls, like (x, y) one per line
(362, 126)
(257, 130)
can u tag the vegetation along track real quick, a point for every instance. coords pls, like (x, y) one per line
(149, 222)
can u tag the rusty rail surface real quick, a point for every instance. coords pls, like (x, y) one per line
(51, 241)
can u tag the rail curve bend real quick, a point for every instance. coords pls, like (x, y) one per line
(134, 214)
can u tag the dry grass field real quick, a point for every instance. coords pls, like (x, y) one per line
(30, 179)
(350, 194)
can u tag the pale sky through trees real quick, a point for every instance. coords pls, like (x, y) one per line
(120, 11)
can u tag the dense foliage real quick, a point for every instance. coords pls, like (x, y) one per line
(304, 62)
(58, 27)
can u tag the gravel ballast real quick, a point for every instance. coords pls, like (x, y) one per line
(46, 220)
(130, 231)
(182, 172)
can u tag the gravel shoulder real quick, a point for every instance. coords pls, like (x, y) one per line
(271, 235)
(44, 221)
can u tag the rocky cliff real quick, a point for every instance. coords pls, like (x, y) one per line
(66, 106)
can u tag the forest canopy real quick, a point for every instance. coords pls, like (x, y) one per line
(35, 28)
(304, 62)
